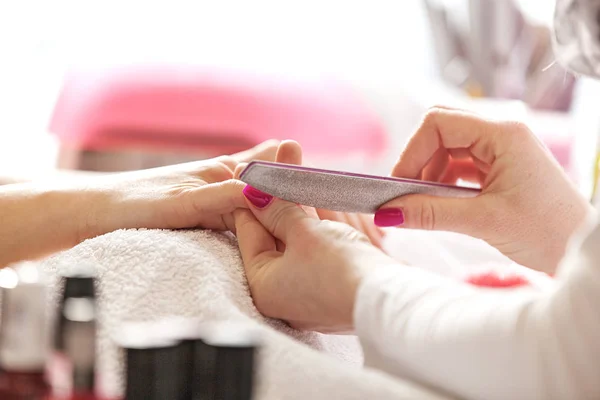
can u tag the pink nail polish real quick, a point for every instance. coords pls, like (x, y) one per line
(389, 217)
(256, 197)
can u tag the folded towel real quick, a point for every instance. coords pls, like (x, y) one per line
(146, 275)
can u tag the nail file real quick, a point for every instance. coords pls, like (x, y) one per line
(339, 191)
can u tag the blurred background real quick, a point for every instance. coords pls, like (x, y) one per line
(110, 86)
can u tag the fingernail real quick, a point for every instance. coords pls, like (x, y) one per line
(256, 197)
(389, 217)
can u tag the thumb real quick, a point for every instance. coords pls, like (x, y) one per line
(281, 218)
(418, 211)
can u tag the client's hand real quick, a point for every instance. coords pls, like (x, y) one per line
(301, 269)
(527, 209)
(290, 152)
(196, 194)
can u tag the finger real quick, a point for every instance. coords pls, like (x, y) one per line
(264, 151)
(460, 154)
(219, 198)
(289, 152)
(310, 211)
(353, 221)
(280, 218)
(238, 170)
(329, 215)
(368, 228)
(280, 246)
(436, 167)
(464, 170)
(449, 129)
(361, 222)
(257, 246)
(464, 155)
(435, 213)
(452, 108)
(228, 222)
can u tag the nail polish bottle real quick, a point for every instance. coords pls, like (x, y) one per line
(186, 331)
(154, 366)
(198, 359)
(24, 335)
(224, 360)
(72, 368)
(204, 375)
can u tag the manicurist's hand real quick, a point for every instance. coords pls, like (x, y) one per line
(304, 265)
(301, 269)
(527, 209)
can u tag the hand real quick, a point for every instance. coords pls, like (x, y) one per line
(361, 222)
(290, 152)
(196, 194)
(528, 208)
(301, 269)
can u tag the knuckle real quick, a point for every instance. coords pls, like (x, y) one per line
(431, 114)
(242, 222)
(218, 172)
(342, 231)
(516, 129)
(231, 187)
(354, 235)
(228, 161)
(437, 108)
(231, 190)
(271, 144)
(278, 220)
(517, 138)
(231, 184)
(239, 169)
(427, 215)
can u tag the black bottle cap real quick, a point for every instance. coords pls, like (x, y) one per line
(80, 282)
(154, 373)
(187, 332)
(225, 359)
(204, 377)
(78, 303)
(156, 367)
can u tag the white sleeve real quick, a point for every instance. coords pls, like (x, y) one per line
(488, 343)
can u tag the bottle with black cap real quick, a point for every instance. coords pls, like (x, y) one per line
(186, 331)
(24, 334)
(224, 360)
(155, 367)
(207, 361)
(73, 370)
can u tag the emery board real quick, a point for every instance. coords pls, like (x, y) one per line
(339, 191)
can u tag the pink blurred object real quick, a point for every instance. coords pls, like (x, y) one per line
(493, 279)
(556, 131)
(194, 110)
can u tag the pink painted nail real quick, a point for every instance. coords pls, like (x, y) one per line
(256, 197)
(389, 217)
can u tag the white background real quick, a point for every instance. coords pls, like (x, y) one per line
(381, 47)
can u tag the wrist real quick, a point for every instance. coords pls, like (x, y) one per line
(93, 209)
(573, 219)
(347, 298)
(39, 219)
(358, 271)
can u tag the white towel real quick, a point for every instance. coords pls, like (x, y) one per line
(149, 274)
(456, 256)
